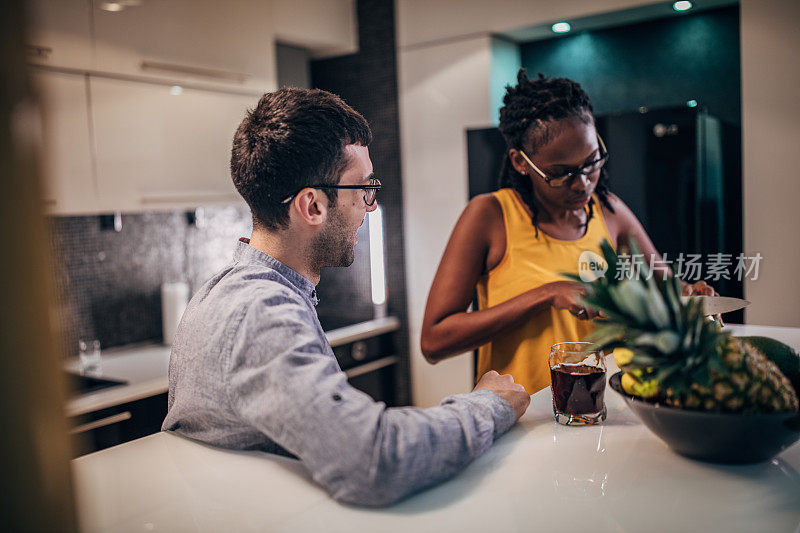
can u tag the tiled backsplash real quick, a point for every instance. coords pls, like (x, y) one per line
(108, 283)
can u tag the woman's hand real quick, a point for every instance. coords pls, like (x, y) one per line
(565, 295)
(702, 288)
(699, 288)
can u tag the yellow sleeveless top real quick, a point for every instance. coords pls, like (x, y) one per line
(530, 262)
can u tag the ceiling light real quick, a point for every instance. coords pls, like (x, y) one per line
(692, 103)
(561, 27)
(684, 5)
(112, 6)
(175, 90)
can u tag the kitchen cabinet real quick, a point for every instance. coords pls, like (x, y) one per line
(69, 186)
(370, 364)
(141, 99)
(206, 41)
(324, 27)
(160, 147)
(114, 425)
(59, 33)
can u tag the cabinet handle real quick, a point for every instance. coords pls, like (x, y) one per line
(107, 421)
(238, 77)
(371, 366)
(41, 52)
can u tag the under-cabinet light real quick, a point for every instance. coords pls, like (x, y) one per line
(376, 267)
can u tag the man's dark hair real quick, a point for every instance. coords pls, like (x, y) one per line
(293, 138)
(528, 111)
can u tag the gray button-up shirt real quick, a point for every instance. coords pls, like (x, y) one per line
(251, 368)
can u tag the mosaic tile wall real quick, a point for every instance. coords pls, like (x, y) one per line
(108, 284)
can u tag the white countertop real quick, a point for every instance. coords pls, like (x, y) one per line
(540, 476)
(144, 367)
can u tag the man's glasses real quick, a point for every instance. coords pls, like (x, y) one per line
(562, 179)
(370, 191)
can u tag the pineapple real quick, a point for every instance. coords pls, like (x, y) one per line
(669, 352)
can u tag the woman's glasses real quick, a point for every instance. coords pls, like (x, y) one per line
(370, 191)
(562, 179)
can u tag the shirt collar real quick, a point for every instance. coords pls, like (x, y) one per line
(245, 253)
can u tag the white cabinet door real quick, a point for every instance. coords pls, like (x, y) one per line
(157, 150)
(67, 160)
(324, 27)
(58, 33)
(202, 41)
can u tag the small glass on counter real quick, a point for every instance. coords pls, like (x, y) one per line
(578, 378)
(89, 357)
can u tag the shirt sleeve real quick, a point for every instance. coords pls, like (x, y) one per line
(284, 381)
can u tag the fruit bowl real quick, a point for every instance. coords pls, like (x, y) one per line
(715, 437)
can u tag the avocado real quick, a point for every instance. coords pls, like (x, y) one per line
(785, 357)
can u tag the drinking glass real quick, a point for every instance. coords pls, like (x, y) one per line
(578, 378)
(89, 356)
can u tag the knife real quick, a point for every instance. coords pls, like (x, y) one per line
(717, 305)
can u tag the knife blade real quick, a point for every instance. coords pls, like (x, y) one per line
(718, 305)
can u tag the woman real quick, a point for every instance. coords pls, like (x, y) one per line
(512, 245)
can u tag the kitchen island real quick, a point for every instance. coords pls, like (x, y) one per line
(540, 476)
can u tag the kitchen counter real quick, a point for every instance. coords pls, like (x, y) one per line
(144, 367)
(614, 477)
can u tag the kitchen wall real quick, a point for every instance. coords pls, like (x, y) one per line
(771, 136)
(367, 81)
(444, 89)
(660, 63)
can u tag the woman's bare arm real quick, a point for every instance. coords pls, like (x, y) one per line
(447, 328)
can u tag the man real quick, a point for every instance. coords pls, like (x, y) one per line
(251, 367)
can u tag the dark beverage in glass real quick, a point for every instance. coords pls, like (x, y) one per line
(578, 379)
(578, 389)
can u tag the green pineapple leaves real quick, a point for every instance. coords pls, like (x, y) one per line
(671, 341)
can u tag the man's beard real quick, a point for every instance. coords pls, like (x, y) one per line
(333, 246)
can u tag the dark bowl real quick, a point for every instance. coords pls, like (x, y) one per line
(715, 437)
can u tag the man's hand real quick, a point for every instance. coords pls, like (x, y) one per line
(504, 385)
